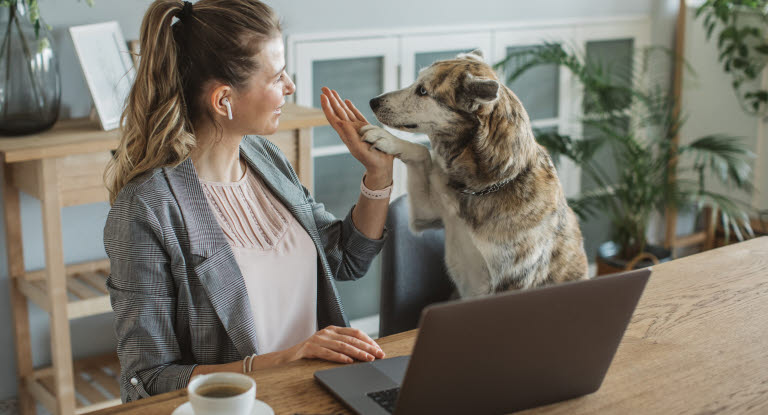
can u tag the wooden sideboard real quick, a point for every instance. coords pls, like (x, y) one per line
(62, 167)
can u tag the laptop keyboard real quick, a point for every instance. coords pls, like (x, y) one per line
(386, 398)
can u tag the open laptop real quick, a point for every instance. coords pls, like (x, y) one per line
(498, 354)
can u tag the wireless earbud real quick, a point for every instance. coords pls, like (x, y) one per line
(229, 107)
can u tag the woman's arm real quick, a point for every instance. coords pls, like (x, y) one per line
(143, 298)
(335, 344)
(369, 215)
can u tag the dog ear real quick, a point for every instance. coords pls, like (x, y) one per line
(475, 54)
(482, 91)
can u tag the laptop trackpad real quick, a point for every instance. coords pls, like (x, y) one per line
(394, 368)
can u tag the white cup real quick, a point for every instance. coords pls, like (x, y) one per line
(241, 404)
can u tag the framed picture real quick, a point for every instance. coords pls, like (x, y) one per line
(107, 67)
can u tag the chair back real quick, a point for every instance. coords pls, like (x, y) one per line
(413, 271)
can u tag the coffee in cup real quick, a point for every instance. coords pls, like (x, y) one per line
(222, 393)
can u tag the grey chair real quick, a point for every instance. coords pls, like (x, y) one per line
(413, 273)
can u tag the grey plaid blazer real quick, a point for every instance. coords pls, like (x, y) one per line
(177, 292)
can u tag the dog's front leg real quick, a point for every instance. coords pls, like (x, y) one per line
(424, 212)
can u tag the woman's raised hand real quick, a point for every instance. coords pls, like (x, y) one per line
(347, 120)
(339, 344)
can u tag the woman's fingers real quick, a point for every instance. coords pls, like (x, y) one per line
(338, 344)
(367, 342)
(350, 115)
(337, 106)
(333, 106)
(320, 352)
(328, 111)
(358, 114)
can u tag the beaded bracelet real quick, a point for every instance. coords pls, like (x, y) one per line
(374, 194)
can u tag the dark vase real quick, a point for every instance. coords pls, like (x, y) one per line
(30, 83)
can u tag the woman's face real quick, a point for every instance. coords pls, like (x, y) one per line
(257, 107)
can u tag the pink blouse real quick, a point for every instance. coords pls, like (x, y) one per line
(276, 256)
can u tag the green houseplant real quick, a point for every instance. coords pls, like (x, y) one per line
(742, 45)
(633, 120)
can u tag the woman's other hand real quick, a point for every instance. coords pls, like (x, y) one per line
(338, 344)
(347, 120)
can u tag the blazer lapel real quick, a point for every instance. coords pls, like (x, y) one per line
(291, 195)
(218, 270)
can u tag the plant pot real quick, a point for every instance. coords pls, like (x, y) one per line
(30, 83)
(608, 262)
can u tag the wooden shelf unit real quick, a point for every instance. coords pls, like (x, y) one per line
(86, 289)
(62, 167)
(96, 382)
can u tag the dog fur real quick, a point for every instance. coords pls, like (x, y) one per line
(520, 236)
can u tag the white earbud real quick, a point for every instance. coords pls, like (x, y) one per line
(229, 108)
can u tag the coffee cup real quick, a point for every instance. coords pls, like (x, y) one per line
(222, 393)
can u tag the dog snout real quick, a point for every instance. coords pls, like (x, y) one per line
(375, 103)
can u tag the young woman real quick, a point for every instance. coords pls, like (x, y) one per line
(221, 260)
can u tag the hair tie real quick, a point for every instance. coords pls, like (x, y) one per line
(186, 11)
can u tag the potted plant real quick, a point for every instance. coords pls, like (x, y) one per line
(634, 120)
(742, 44)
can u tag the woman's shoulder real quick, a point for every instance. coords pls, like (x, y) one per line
(147, 186)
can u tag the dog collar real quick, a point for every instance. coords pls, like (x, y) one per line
(490, 189)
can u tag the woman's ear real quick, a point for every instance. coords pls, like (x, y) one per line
(217, 98)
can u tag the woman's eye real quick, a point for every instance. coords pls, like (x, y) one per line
(422, 91)
(279, 78)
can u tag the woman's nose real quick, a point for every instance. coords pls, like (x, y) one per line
(290, 87)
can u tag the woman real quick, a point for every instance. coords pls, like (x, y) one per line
(221, 260)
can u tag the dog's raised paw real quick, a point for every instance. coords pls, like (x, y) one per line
(381, 140)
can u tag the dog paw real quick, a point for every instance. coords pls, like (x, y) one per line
(382, 140)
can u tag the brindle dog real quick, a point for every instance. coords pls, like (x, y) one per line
(487, 181)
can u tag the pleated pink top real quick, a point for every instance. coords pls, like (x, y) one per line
(276, 256)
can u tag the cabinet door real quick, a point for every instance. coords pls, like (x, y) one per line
(617, 48)
(359, 70)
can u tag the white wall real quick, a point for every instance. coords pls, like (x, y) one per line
(83, 225)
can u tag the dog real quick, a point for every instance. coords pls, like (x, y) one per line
(486, 180)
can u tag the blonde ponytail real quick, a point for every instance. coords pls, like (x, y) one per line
(176, 60)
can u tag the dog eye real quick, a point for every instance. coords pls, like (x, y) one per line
(422, 91)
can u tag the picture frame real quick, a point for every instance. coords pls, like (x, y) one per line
(108, 68)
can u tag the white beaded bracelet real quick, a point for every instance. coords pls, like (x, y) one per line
(374, 194)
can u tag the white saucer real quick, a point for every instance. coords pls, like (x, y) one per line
(259, 408)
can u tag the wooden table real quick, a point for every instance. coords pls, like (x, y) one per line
(698, 344)
(64, 166)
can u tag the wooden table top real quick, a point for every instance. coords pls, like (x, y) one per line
(82, 135)
(697, 343)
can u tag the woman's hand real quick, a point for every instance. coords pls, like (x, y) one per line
(338, 344)
(345, 118)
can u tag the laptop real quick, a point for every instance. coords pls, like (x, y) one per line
(498, 354)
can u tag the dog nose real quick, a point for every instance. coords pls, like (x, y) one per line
(375, 104)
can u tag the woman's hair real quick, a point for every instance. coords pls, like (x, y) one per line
(212, 40)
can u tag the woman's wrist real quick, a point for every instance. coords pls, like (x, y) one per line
(377, 180)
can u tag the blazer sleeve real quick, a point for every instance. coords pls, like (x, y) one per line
(348, 251)
(143, 298)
